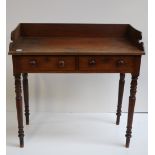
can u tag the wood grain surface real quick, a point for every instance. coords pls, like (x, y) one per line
(75, 39)
(75, 48)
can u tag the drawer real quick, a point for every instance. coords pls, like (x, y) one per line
(115, 64)
(44, 63)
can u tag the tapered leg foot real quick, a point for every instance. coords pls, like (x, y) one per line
(128, 136)
(132, 99)
(19, 108)
(27, 121)
(120, 97)
(117, 120)
(26, 97)
(21, 139)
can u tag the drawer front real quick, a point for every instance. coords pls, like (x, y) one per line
(115, 64)
(44, 63)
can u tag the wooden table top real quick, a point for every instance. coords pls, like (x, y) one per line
(75, 39)
(74, 46)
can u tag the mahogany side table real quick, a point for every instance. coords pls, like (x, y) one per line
(75, 48)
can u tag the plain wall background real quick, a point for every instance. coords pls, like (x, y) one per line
(78, 92)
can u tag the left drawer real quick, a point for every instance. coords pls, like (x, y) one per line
(40, 64)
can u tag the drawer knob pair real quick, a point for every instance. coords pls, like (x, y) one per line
(61, 63)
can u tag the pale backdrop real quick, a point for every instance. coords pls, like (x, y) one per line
(78, 92)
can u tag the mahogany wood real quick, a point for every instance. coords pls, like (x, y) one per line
(132, 100)
(75, 39)
(75, 48)
(19, 107)
(120, 97)
(26, 96)
(43, 64)
(109, 64)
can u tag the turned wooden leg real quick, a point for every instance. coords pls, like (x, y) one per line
(26, 96)
(132, 99)
(120, 97)
(19, 108)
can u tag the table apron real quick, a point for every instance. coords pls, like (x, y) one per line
(76, 64)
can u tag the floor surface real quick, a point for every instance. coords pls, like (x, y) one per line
(77, 134)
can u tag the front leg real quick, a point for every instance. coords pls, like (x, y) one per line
(19, 108)
(132, 99)
(120, 97)
(26, 96)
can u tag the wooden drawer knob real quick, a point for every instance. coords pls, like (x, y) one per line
(92, 62)
(33, 62)
(120, 62)
(61, 63)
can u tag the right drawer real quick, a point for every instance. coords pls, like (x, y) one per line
(109, 64)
